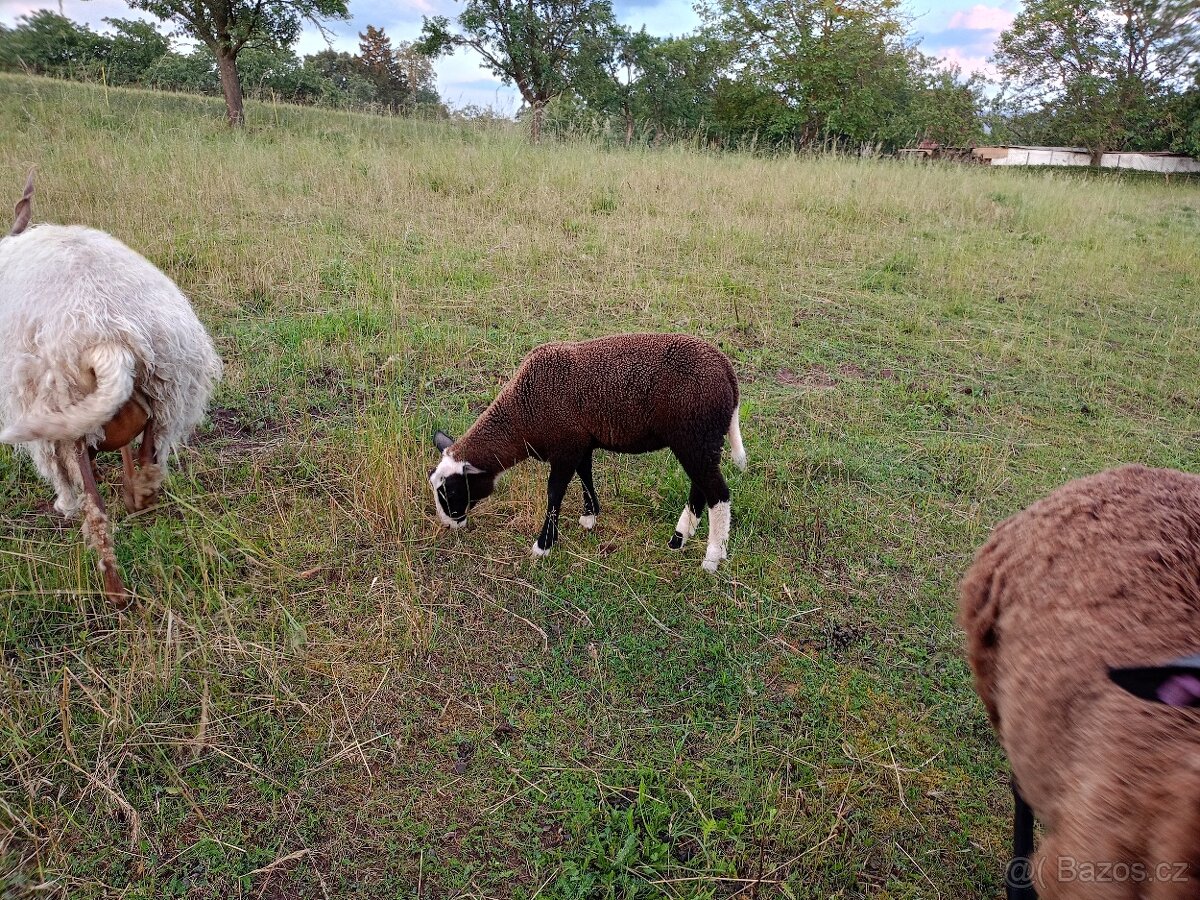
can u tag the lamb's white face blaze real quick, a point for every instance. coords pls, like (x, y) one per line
(446, 467)
(718, 536)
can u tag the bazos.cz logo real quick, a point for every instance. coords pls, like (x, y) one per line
(1022, 872)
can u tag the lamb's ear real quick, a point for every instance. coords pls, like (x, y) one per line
(441, 440)
(24, 207)
(471, 469)
(1176, 683)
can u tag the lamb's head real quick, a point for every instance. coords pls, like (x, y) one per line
(24, 208)
(457, 484)
(1176, 683)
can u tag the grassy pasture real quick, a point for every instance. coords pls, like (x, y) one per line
(322, 693)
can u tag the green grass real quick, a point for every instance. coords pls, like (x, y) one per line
(322, 692)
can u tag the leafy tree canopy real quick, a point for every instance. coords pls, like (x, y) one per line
(531, 44)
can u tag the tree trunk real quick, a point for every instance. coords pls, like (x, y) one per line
(536, 120)
(628, 128)
(1097, 156)
(231, 86)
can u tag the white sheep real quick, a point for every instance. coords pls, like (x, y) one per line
(97, 346)
(1093, 589)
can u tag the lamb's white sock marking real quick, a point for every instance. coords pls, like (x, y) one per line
(537, 551)
(718, 536)
(687, 523)
(587, 522)
(735, 440)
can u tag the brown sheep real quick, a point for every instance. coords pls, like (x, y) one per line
(627, 393)
(1102, 573)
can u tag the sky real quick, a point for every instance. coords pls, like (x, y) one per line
(956, 30)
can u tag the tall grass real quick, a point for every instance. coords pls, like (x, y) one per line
(323, 693)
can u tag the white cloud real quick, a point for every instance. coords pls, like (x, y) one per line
(91, 12)
(982, 18)
(953, 56)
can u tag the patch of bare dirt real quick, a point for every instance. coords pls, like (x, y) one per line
(816, 378)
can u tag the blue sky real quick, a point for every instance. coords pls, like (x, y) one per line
(958, 30)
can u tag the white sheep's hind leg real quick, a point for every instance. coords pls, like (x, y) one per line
(718, 535)
(97, 530)
(142, 485)
(52, 461)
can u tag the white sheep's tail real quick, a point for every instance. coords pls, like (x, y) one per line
(735, 441)
(114, 368)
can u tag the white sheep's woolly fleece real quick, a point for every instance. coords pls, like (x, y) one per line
(83, 319)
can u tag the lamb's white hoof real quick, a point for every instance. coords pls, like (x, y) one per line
(587, 523)
(537, 552)
(710, 564)
(454, 524)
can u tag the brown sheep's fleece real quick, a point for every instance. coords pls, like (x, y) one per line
(1103, 572)
(629, 393)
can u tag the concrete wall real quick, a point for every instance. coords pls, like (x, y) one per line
(1049, 156)
(1146, 163)
(1042, 156)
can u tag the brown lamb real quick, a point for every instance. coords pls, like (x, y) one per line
(1103, 572)
(627, 393)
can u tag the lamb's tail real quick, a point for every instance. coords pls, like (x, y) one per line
(735, 441)
(113, 366)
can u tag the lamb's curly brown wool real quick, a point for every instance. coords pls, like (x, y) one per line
(629, 393)
(1103, 572)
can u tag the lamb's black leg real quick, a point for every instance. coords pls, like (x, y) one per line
(560, 476)
(703, 466)
(1019, 876)
(689, 518)
(591, 503)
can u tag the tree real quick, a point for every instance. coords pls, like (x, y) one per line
(945, 109)
(842, 70)
(50, 44)
(403, 78)
(605, 72)
(417, 69)
(195, 72)
(664, 86)
(344, 73)
(527, 43)
(1097, 72)
(228, 26)
(136, 47)
(377, 61)
(1182, 121)
(680, 81)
